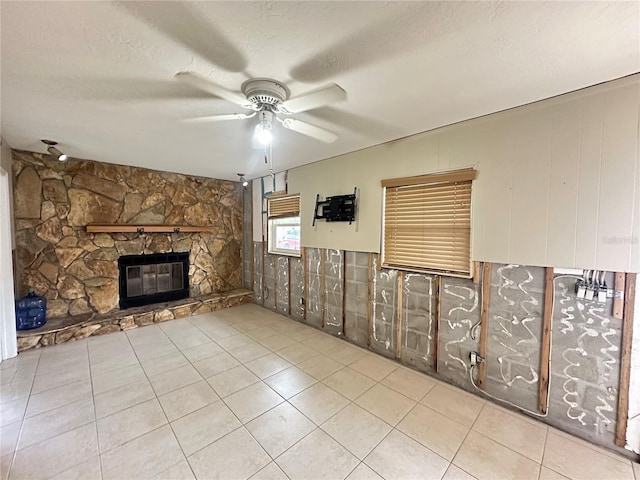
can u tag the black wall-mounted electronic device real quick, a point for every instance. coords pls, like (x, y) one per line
(337, 208)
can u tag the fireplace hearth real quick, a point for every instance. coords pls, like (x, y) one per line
(154, 278)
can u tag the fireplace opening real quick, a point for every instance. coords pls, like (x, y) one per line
(155, 278)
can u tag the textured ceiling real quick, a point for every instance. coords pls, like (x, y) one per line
(98, 77)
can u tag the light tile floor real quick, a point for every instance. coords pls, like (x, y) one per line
(247, 393)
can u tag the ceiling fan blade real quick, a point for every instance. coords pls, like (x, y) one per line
(220, 118)
(309, 130)
(314, 99)
(203, 84)
(202, 37)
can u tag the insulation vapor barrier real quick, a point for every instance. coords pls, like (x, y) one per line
(458, 335)
(257, 272)
(585, 364)
(314, 287)
(383, 308)
(296, 288)
(418, 319)
(247, 244)
(514, 333)
(333, 290)
(269, 276)
(356, 297)
(282, 285)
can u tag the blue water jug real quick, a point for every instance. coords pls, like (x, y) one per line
(31, 311)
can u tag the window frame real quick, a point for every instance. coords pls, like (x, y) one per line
(273, 221)
(448, 178)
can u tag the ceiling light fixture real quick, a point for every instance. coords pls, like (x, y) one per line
(51, 148)
(244, 181)
(263, 129)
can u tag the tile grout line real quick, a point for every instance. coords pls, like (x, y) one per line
(508, 447)
(22, 418)
(319, 427)
(242, 425)
(95, 412)
(544, 452)
(466, 436)
(161, 408)
(45, 412)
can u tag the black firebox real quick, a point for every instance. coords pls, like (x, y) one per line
(155, 278)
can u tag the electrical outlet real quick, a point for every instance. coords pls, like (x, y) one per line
(602, 295)
(589, 294)
(473, 358)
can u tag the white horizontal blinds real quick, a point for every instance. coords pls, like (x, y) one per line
(283, 206)
(427, 222)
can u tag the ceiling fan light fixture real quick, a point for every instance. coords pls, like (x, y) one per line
(263, 135)
(53, 151)
(263, 129)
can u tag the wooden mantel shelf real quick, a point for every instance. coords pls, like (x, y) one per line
(133, 228)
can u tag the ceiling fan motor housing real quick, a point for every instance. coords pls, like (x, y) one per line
(265, 91)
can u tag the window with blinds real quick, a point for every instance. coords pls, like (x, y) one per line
(283, 206)
(427, 223)
(283, 226)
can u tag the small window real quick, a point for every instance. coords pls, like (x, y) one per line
(427, 223)
(283, 229)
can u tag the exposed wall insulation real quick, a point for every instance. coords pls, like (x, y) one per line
(356, 297)
(384, 304)
(334, 290)
(418, 317)
(314, 293)
(514, 332)
(633, 424)
(247, 256)
(257, 272)
(269, 278)
(585, 364)
(282, 285)
(296, 289)
(460, 305)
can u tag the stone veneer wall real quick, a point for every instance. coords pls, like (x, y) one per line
(130, 318)
(77, 271)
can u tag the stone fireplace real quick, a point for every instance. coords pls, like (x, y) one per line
(154, 278)
(78, 272)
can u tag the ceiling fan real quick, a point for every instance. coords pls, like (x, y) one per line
(269, 100)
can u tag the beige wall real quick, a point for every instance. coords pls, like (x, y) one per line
(5, 164)
(558, 184)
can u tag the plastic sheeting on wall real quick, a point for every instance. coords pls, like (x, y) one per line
(314, 292)
(296, 288)
(247, 243)
(269, 276)
(458, 330)
(514, 333)
(585, 364)
(333, 290)
(418, 320)
(257, 272)
(282, 285)
(383, 310)
(356, 297)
